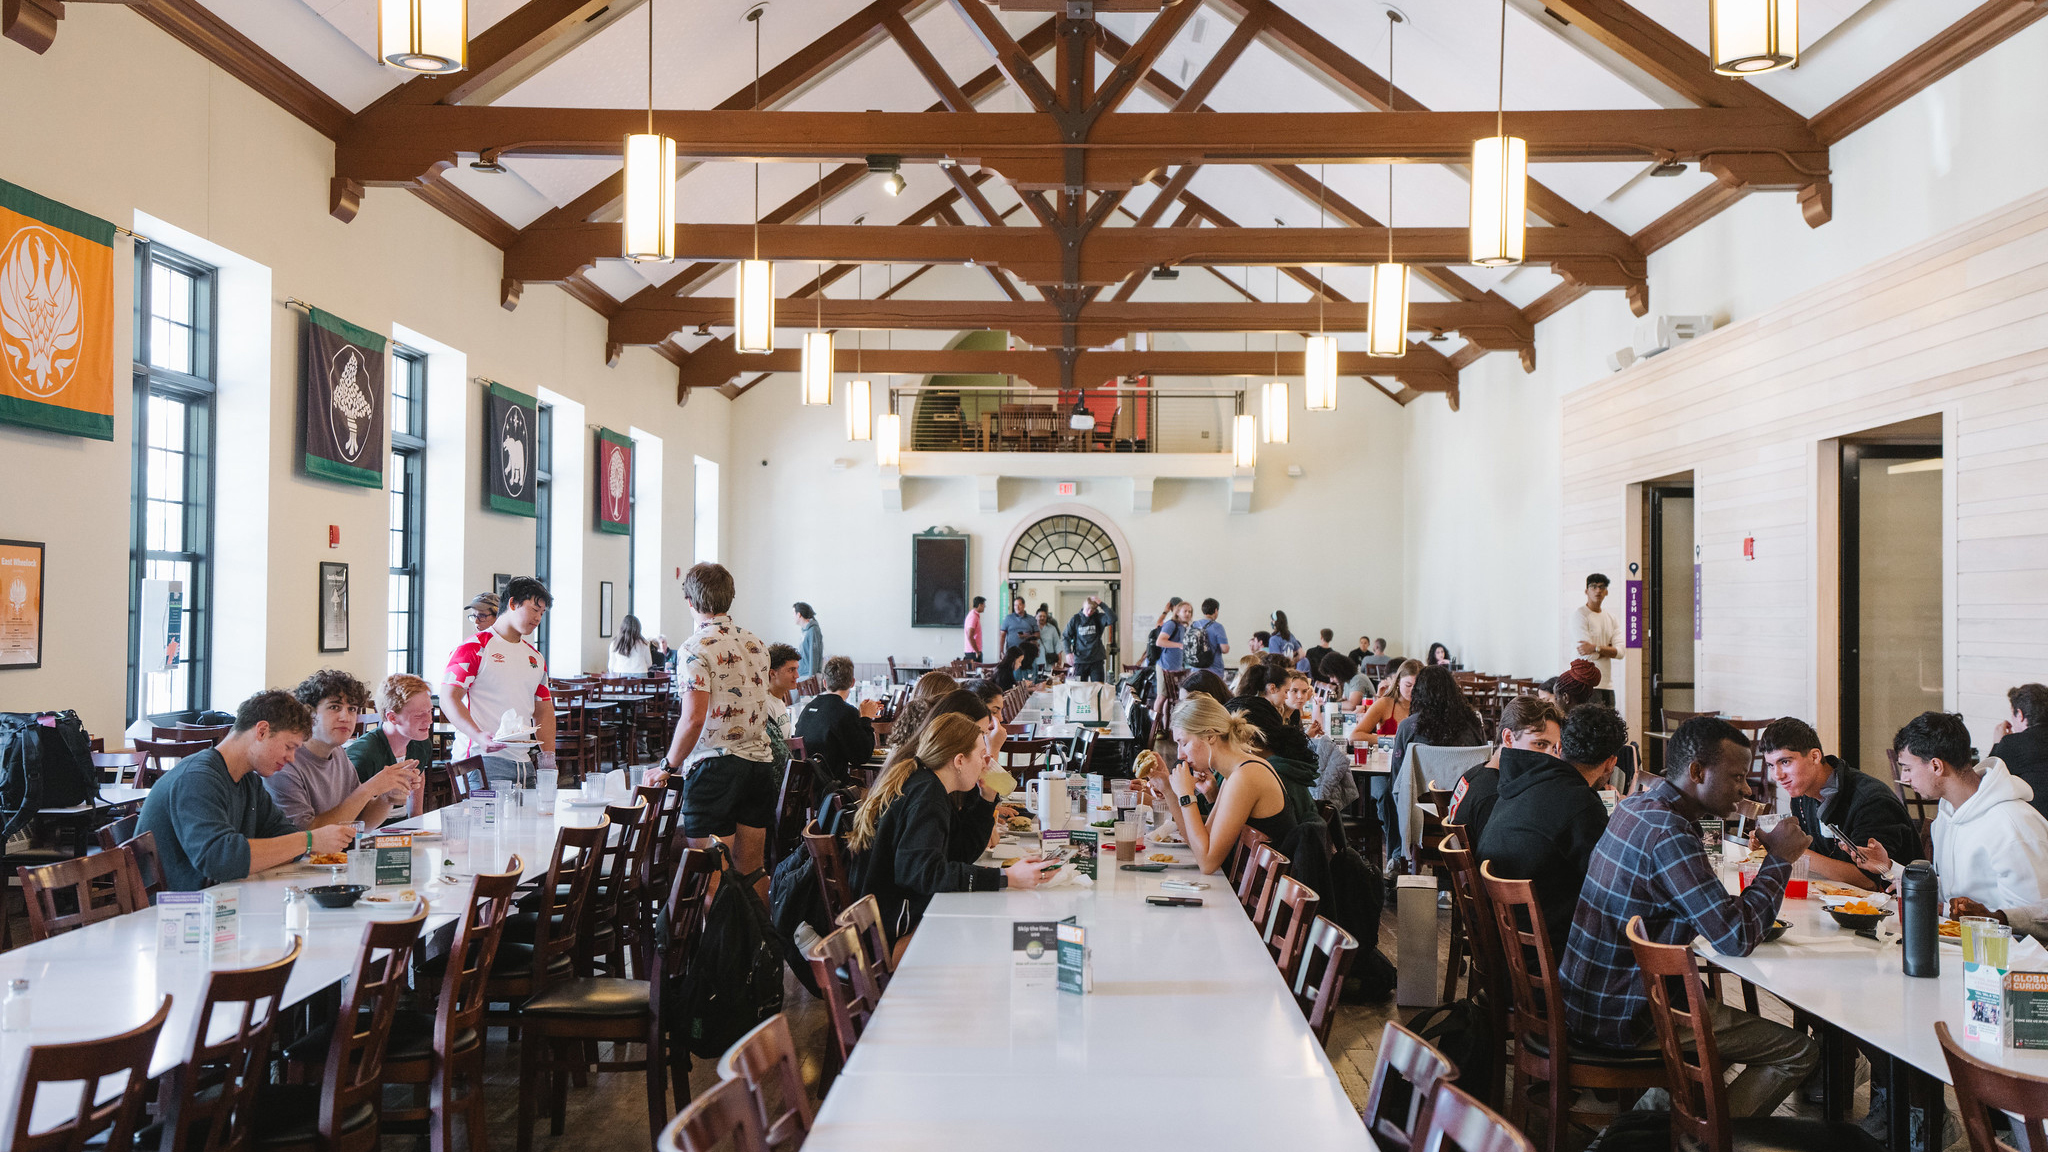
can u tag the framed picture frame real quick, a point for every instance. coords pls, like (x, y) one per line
(333, 606)
(499, 581)
(604, 609)
(21, 604)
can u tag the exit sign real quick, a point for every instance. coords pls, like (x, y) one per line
(1067, 488)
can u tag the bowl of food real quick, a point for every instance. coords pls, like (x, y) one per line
(336, 895)
(1858, 914)
(1776, 930)
(391, 905)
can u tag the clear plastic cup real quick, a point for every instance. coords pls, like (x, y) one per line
(545, 783)
(1126, 841)
(1985, 941)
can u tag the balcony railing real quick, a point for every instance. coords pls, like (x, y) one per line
(993, 418)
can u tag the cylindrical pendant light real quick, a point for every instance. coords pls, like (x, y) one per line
(1751, 36)
(1387, 319)
(423, 35)
(1275, 431)
(1319, 365)
(817, 367)
(888, 440)
(649, 229)
(1245, 441)
(1500, 179)
(754, 301)
(860, 402)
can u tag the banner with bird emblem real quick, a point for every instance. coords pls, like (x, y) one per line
(614, 483)
(56, 316)
(341, 401)
(511, 427)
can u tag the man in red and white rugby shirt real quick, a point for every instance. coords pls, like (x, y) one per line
(497, 670)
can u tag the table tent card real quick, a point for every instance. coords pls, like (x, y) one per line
(1074, 972)
(1034, 957)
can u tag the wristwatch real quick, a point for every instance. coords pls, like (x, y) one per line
(1186, 800)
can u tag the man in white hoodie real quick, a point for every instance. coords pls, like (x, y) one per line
(1990, 845)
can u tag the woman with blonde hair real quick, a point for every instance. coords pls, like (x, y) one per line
(1210, 741)
(918, 705)
(902, 838)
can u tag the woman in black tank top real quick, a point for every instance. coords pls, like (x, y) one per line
(1211, 740)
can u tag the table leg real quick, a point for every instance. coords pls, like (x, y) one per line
(1838, 1071)
(1917, 1103)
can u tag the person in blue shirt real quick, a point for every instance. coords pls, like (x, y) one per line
(1017, 627)
(1172, 638)
(1282, 641)
(810, 644)
(1219, 641)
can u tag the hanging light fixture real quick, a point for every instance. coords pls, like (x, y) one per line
(888, 440)
(1752, 36)
(860, 393)
(754, 293)
(650, 221)
(423, 35)
(817, 363)
(1500, 179)
(1387, 319)
(1245, 441)
(1276, 412)
(1319, 366)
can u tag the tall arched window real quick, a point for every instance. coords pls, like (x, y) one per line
(1064, 545)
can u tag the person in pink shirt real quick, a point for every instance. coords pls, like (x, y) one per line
(973, 629)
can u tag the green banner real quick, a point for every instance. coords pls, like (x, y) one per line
(511, 427)
(342, 401)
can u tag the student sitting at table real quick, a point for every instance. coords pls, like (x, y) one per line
(1391, 706)
(1550, 815)
(836, 730)
(1211, 741)
(2023, 740)
(1352, 685)
(1825, 791)
(917, 707)
(212, 818)
(320, 785)
(903, 842)
(1016, 664)
(1990, 845)
(1297, 704)
(1528, 723)
(405, 736)
(1652, 863)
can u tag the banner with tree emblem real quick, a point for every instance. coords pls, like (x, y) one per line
(56, 316)
(614, 482)
(511, 420)
(341, 401)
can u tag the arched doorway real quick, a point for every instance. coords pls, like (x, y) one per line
(1059, 556)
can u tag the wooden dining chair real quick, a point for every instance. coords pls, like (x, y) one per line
(1544, 1053)
(145, 869)
(525, 967)
(1405, 1074)
(1319, 979)
(219, 732)
(1452, 840)
(160, 756)
(724, 1119)
(1292, 911)
(828, 857)
(1762, 785)
(208, 1101)
(1261, 876)
(71, 894)
(1485, 983)
(1025, 759)
(341, 1113)
(848, 982)
(113, 832)
(114, 767)
(766, 1060)
(1980, 1086)
(1248, 838)
(63, 1067)
(664, 841)
(1920, 809)
(792, 799)
(864, 916)
(615, 914)
(1458, 1123)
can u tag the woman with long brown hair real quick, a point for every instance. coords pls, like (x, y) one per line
(902, 832)
(1391, 706)
(918, 705)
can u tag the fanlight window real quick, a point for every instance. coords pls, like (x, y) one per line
(1063, 544)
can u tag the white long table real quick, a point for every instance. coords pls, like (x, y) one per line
(1189, 1040)
(108, 977)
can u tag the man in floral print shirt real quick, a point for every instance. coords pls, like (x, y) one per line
(721, 748)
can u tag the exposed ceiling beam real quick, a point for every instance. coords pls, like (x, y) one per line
(716, 364)
(33, 23)
(509, 52)
(1986, 27)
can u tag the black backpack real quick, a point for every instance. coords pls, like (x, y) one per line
(1196, 651)
(1463, 1032)
(735, 979)
(45, 762)
(794, 894)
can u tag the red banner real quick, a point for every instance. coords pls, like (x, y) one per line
(614, 482)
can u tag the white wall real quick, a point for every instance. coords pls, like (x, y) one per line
(119, 120)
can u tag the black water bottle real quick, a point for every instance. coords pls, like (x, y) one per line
(1920, 918)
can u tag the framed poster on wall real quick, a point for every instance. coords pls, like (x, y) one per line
(938, 579)
(21, 604)
(499, 581)
(333, 606)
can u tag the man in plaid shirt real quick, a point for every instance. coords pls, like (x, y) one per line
(1651, 863)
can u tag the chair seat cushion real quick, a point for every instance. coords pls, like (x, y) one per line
(512, 959)
(1538, 1045)
(412, 1038)
(290, 1114)
(590, 996)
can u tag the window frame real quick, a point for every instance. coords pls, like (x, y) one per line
(543, 509)
(408, 452)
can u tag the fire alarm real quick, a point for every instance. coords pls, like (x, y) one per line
(334, 535)
(1749, 546)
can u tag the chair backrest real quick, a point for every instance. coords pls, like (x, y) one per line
(354, 1073)
(844, 975)
(572, 872)
(615, 898)
(1475, 911)
(678, 927)
(160, 756)
(70, 894)
(724, 1117)
(1261, 876)
(1458, 1123)
(1404, 1076)
(1525, 948)
(1671, 718)
(1025, 759)
(64, 1066)
(145, 868)
(209, 1100)
(663, 844)
(2023, 1098)
(219, 732)
(1248, 838)
(828, 856)
(461, 1005)
(1699, 1103)
(1293, 909)
(1319, 979)
(864, 916)
(791, 799)
(1079, 749)
(111, 835)
(766, 1059)
(113, 766)
(1920, 809)
(455, 774)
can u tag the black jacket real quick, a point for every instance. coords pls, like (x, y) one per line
(1543, 828)
(1863, 808)
(925, 845)
(2025, 755)
(835, 729)
(1084, 635)
(1473, 800)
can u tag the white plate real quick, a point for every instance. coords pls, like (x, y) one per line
(584, 801)
(1877, 899)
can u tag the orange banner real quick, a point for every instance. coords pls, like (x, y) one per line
(56, 316)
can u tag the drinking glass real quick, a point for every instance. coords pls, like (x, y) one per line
(545, 782)
(1126, 841)
(1985, 941)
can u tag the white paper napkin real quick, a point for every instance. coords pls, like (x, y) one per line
(512, 727)
(2026, 955)
(1068, 876)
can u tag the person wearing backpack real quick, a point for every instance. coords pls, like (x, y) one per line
(903, 840)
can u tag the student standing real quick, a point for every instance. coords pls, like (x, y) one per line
(1597, 635)
(971, 629)
(1087, 639)
(810, 643)
(1018, 627)
(496, 672)
(1219, 640)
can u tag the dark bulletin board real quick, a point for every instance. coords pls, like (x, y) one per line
(938, 580)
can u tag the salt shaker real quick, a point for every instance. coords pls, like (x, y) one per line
(14, 1010)
(298, 915)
